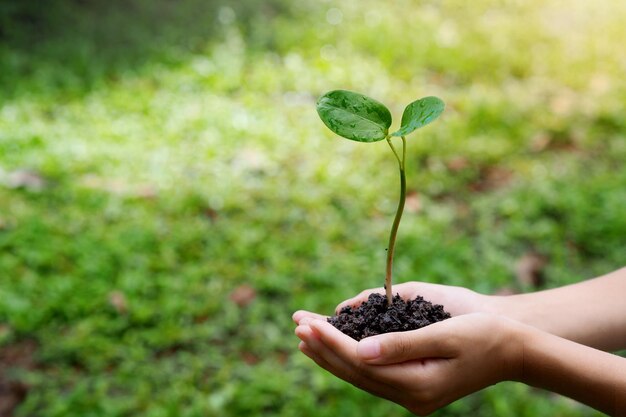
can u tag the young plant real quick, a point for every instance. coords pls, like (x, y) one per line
(363, 119)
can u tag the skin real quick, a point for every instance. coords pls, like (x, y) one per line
(543, 339)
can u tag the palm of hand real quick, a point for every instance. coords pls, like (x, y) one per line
(455, 300)
(421, 369)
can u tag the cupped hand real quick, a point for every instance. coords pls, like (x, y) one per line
(424, 369)
(455, 300)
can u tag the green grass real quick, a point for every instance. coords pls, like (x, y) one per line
(184, 165)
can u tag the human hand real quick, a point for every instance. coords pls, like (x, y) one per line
(424, 369)
(456, 300)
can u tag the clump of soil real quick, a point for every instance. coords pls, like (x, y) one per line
(375, 317)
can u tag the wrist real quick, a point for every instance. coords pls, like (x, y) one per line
(517, 335)
(507, 306)
(496, 304)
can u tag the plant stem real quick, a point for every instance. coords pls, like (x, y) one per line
(396, 220)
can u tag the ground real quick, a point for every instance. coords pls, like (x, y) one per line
(168, 195)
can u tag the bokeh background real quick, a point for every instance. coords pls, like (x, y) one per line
(168, 195)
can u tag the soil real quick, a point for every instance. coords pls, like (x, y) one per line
(375, 317)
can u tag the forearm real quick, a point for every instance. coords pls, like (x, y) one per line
(590, 376)
(592, 312)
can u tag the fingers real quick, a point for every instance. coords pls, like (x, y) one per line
(358, 299)
(421, 369)
(407, 290)
(315, 349)
(411, 384)
(302, 314)
(393, 348)
(345, 348)
(313, 346)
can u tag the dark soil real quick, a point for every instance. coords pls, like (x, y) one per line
(375, 317)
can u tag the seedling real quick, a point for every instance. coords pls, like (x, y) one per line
(363, 119)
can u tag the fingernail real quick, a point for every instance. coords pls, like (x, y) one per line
(368, 349)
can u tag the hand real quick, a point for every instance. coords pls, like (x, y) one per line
(424, 369)
(456, 300)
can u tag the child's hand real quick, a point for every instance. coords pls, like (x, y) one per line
(423, 369)
(456, 300)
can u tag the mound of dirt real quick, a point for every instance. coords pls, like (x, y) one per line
(375, 317)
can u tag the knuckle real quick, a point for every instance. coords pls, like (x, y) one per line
(450, 345)
(402, 347)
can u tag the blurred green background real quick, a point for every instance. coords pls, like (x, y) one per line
(168, 195)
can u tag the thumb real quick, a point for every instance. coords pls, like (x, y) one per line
(390, 348)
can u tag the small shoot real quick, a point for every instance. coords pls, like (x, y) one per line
(360, 118)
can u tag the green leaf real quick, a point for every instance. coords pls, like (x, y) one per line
(354, 116)
(419, 114)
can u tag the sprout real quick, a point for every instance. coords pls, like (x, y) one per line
(363, 119)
